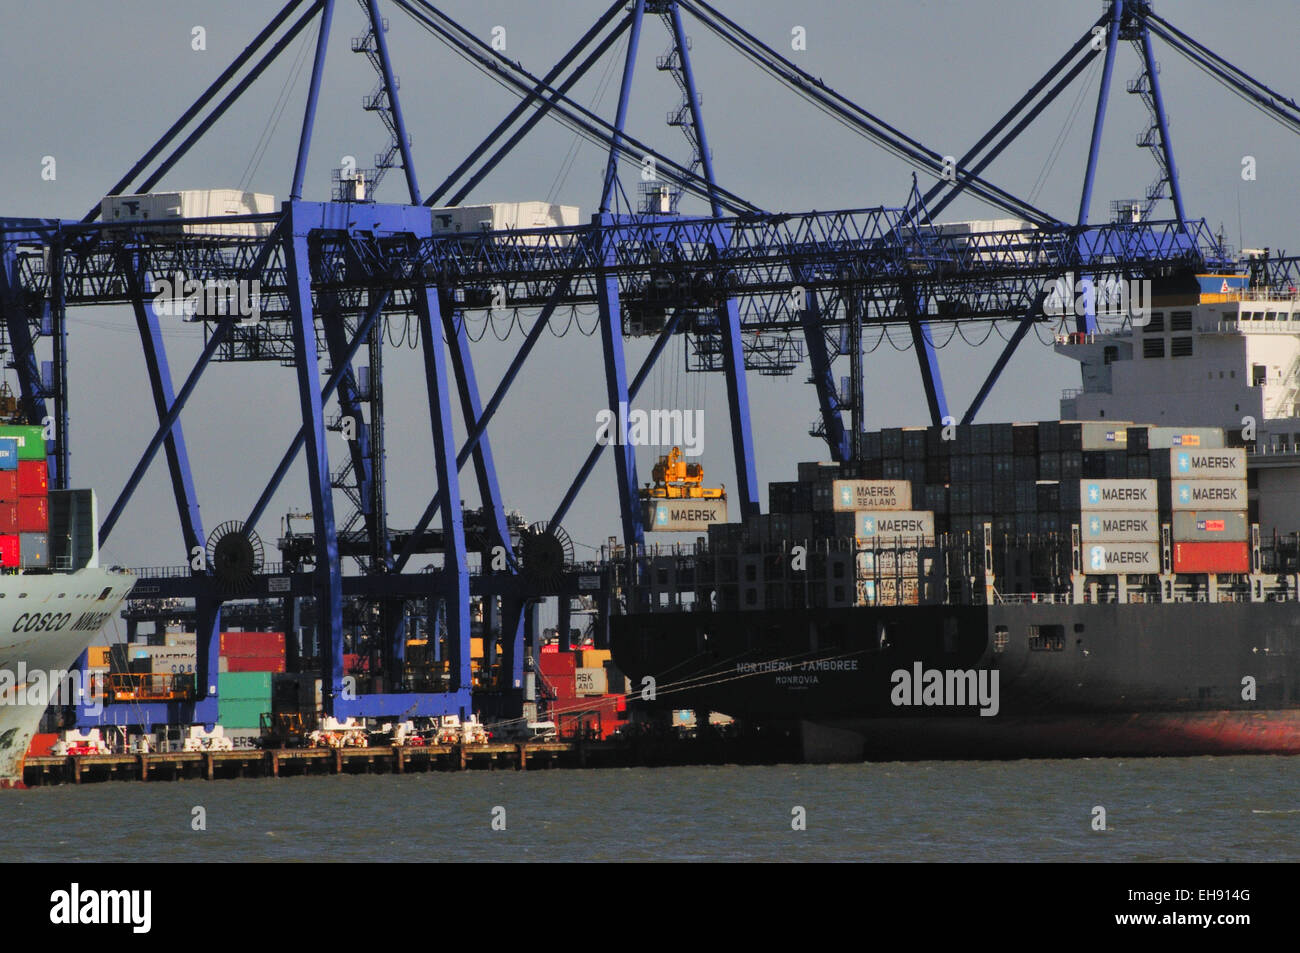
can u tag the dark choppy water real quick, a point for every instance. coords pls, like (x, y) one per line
(1198, 809)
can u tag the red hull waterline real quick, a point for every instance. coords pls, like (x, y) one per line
(1150, 734)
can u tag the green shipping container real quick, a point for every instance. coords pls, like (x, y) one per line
(241, 714)
(245, 686)
(31, 440)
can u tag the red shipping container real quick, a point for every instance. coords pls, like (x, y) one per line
(33, 514)
(1211, 557)
(564, 686)
(557, 664)
(8, 486)
(238, 663)
(9, 550)
(253, 644)
(33, 478)
(8, 517)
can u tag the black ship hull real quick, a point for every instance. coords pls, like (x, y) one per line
(1000, 681)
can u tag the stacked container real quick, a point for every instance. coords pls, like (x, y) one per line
(1208, 507)
(252, 652)
(24, 498)
(245, 697)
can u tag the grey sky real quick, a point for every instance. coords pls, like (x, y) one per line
(94, 84)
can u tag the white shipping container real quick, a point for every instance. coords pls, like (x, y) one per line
(884, 526)
(1227, 463)
(1109, 495)
(179, 639)
(1120, 526)
(170, 660)
(1116, 558)
(887, 593)
(1207, 495)
(683, 516)
(847, 495)
(886, 562)
(1208, 526)
(192, 203)
(500, 216)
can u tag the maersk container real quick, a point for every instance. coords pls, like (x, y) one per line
(1120, 526)
(1087, 495)
(34, 550)
(848, 495)
(1209, 526)
(1165, 438)
(883, 526)
(590, 681)
(1118, 558)
(1228, 463)
(30, 440)
(8, 453)
(886, 562)
(1211, 557)
(683, 516)
(1206, 495)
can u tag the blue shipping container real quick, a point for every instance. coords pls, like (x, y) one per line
(8, 454)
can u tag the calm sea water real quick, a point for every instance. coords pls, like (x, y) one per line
(1198, 809)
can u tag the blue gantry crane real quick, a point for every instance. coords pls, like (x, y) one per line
(743, 287)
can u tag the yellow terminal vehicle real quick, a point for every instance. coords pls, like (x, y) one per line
(678, 500)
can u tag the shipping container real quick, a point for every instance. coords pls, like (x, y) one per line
(1164, 438)
(191, 203)
(1211, 557)
(1115, 558)
(886, 562)
(593, 658)
(239, 713)
(1209, 526)
(34, 550)
(244, 686)
(180, 638)
(252, 643)
(8, 518)
(883, 525)
(1205, 495)
(1024, 440)
(8, 453)
(1109, 495)
(849, 495)
(30, 440)
(9, 486)
(1122, 526)
(684, 516)
(556, 664)
(887, 593)
(33, 478)
(590, 681)
(33, 514)
(1220, 464)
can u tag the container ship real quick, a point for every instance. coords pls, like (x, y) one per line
(1088, 586)
(54, 598)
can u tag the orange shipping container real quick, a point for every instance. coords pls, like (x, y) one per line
(1211, 557)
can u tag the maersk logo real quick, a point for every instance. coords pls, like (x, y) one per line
(1184, 462)
(661, 514)
(947, 688)
(102, 907)
(846, 496)
(868, 526)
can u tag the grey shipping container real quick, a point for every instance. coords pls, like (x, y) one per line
(1193, 464)
(34, 550)
(885, 525)
(1196, 526)
(1162, 438)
